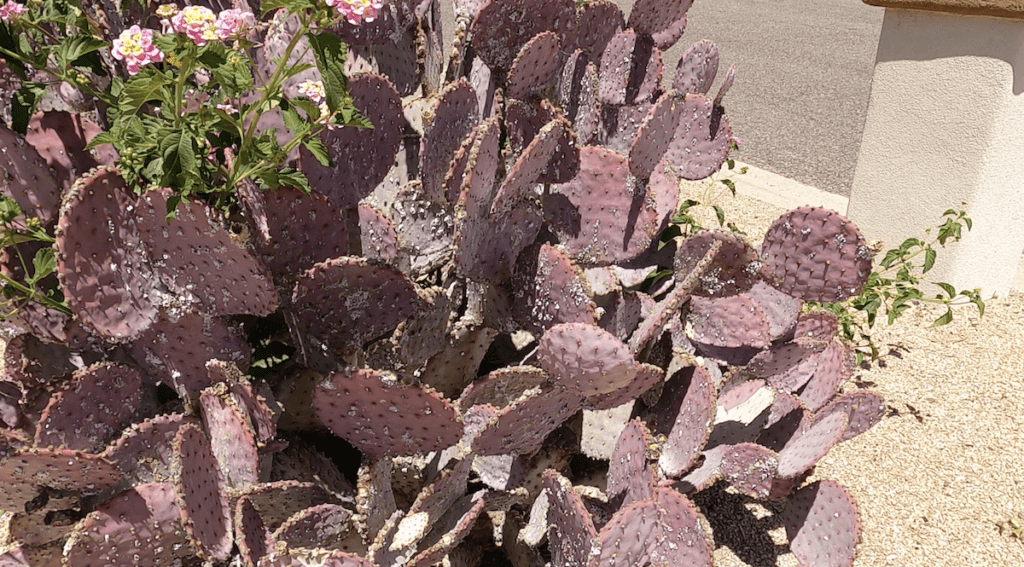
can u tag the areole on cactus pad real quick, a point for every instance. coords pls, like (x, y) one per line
(419, 361)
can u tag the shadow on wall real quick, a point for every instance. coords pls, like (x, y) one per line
(940, 35)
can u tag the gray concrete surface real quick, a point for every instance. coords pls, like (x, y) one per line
(804, 72)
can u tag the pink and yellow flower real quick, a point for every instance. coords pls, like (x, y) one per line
(135, 47)
(318, 94)
(356, 11)
(11, 11)
(197, 23)
(234, 23)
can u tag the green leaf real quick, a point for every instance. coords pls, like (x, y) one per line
(950, 290)
(44, 263)
(316, 147)
(929, 259)
(732, 186)
(945, 319)
(293, 5)
(330, 53)
(720, 214)
(293, 121)
(9, 210)
(73, 50)
(140, 89)
(23, 104)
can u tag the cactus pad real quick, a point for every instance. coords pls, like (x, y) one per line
(522, 427)
(573, 538)
(655, 134)
(26, 471)
(662, 21)
(702, 140)
(597, 23)
(664, 530)
(684, 415)
(822, 524)
(231, 437)
(536, 64)
(199, 261)
(781, 310)
(731, 322)
(27, 178)
(347, 301)
(586, 359)
(251, 535)
(696, 69)
(549, 289)
(142, 526)
(380, 417)
(94, 406)
(864, 410)
(503, 27)
(450, 121)
(630, 478)
(833, 366)
(202, 496)
(809, 445)
(144, 452)
(303, 230)
(816, 254)
(96, 202)
(322, 526)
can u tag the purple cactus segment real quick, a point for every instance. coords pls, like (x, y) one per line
(586, 359)
(519, 184)
(787, 366)
(424, 334)
(202, 496)
(451, 120)
(579, 87)
(197, 258)
(549, 289)
(377, 234)
(452, 184)
(307, 557)
(833, 367)
(816, 254)
(375, 499)
(282, 30)
(683, 415)
(817, 326)
(696, 69)
(864, 410)
(231, 437)
(573, 538)
(522, 427)
(730, 76)
(523, 120)
(251, 535)
(438, 497)
(662, 21)
(381, 418)
(707, 473)
(502, 387)
(485, 87)
(503, 27)
(97, 402)
(664, 530)
(702, 140)
(362, 156)
(535, 66)
(325, 526)
(750, 468)
(810, 444)
(823, 525)
(28, 470)
(630, 477)
(565, 161)
(60, 138)
(742, 412)
(303, 230)
(277, 501)
(597, 23)
(424, 230)
(176, 349)
(303, 462)
(735, 269)
(654, 135)
(144, 452)
(240, 394)
(28, 179)
(784, 405)
(95, 273)
(347, 301)
(143, 522)
(604, 215)
(647, 376)
(732, 321)
(781, 310)
(630, 69)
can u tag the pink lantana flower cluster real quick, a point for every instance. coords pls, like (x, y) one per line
(135, 47)
(11, 11)
(318, 94)
(199, 23)
(356, 11)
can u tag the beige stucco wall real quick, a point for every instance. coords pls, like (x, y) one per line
(945, 125)
(1001, 8)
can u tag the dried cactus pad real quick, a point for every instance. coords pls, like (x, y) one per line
(822, 525)
(503, 27)
(96, 403)
(141, 526)
(348, 301)
(101, 260)
(381, 417)
(25, 471)
(816, 254)
(362, 156)
(604, 215)
(202, 496)
(586, 359)
(199, 261)
(26, 178)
